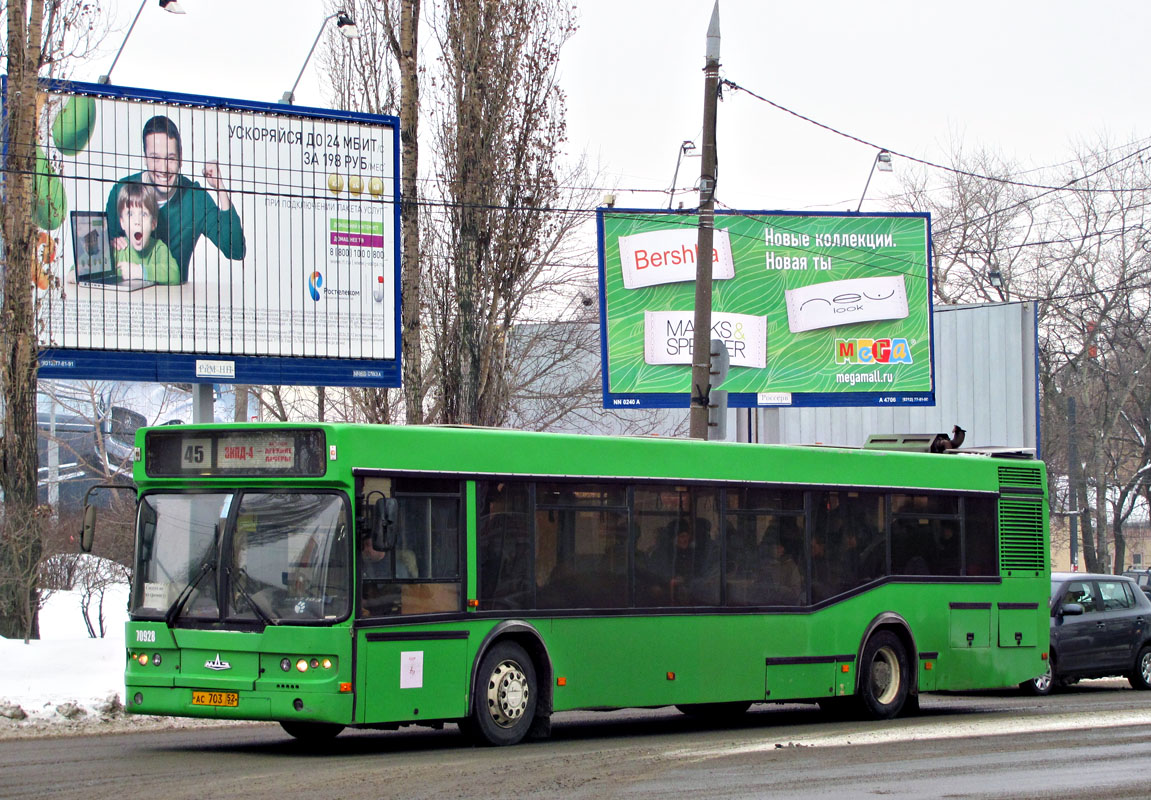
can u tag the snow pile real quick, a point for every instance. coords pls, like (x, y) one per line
(69, 683)
(66, 678)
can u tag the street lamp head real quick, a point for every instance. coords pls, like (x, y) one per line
(171, 6)
(882, 162)
(996, 278)
(687, 146)
(347, 26)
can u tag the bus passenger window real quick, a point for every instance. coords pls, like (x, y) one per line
(980, 534)
(911, 547)
(677, 546)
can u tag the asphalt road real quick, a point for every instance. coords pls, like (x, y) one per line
(1093, 741)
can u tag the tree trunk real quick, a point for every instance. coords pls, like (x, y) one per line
(407, 55)
(20, 542)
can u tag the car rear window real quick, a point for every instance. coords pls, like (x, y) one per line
(1116, 595)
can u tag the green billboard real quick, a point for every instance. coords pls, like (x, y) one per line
(815, 309)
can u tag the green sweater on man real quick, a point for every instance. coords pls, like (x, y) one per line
(189, 214)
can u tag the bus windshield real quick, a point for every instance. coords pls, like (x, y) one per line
(247, 557)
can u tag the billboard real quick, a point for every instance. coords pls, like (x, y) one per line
(815, 309)
(188, 238)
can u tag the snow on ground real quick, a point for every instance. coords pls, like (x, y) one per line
(67, 682)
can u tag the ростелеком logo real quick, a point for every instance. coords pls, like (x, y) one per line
(315, 283)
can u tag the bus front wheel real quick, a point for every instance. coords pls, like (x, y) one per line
(311, 731)
(505, 696)
(885, 678)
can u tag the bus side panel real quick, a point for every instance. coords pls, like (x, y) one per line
(631, 661)
(411, 679)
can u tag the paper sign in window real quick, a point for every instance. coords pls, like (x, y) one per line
(412, 669)
(825, 305)
(669, 335)
(657, 257)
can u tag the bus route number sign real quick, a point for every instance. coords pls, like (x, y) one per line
(196, 454)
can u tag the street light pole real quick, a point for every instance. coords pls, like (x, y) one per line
(701, 345)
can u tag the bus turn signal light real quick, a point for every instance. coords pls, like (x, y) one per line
(345, 687)
(671, 676)
(561, 681)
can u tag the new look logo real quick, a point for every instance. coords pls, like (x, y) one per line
(315, 283)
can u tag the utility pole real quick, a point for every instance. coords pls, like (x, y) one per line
(701, 346)
(1073, 483)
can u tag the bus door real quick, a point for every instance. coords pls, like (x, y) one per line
(410, 565)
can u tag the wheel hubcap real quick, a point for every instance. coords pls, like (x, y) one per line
(1145, 668)
(1043, 682)
(507, 694)
(885, 675)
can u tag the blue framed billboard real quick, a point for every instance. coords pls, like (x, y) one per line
(816, 309)
(187, 238)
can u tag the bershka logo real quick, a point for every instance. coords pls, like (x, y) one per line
(872, 351)
(315, 283)
(217, 664)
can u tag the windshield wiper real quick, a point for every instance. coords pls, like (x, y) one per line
(207, 565)
(238, 586)
(178, 606)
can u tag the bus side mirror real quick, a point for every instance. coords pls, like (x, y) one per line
(384, 512)
(88, 530)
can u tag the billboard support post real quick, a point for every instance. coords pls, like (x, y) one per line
(701, 346)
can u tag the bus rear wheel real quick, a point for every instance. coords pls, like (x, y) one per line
(505, 696)
(312, 731)
(885, 678)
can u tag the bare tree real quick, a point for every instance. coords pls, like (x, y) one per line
(363, 80)
(1075, 239)
(499, 129)
(1097, 320)
(981, 223)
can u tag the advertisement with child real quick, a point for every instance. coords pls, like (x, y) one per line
(175, 224)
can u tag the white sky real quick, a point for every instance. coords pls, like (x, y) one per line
(1024, 78)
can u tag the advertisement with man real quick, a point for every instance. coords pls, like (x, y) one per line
(814, 309)
(187, 225)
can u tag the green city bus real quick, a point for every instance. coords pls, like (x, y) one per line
(326, 576)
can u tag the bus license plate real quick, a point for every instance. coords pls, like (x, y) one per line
(230, 699)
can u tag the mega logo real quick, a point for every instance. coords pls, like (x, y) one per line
(872, 351)
(315, 283)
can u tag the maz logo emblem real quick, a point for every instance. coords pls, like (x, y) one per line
(217, 664)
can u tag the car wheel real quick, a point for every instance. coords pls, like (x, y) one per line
(1041, 685)
(1140, 677)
